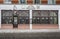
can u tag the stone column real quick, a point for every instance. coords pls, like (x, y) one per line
(30, 19)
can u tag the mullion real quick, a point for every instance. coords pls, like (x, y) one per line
(48, 17)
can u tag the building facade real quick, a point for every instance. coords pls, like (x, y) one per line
(42, 2)
(30, 14)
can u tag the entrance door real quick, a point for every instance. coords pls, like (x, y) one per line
(15, 22)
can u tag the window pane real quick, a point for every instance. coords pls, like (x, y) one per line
(44, 20)
(51, 20)
(7, 13)
(7, 0)
(44, 13)
(36, 16)
(52, 13)
(44, 17)
(15, 20)
(48, 19)
(36, 13)
(7, 16)
(55, 20)
(22, 1)
(51, 1)
(37, 1)
(23, 17)
(23, 13)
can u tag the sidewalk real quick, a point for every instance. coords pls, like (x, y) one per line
(45, 35)
(27, 30)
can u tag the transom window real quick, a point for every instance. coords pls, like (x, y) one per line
(45, 17)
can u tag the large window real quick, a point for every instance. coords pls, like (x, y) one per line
(38, 18)
(51, 1)
(23, 17)
(22, 1)
(6, 17)
(7, 1)
(45, 17)
(53, 17)
(13, 19)
(37, 1)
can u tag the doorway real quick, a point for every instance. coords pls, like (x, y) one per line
(15, 19)
(15, 22)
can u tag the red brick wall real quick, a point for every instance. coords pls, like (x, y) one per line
(29, 1)
(58, 2)
(44, 2)
(1, 1)
(15, 1)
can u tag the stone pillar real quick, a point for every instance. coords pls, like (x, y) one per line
(30, 19)
(0, 18)
(59, 19)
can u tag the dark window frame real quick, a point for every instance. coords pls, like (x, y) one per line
(47, 17)
(6, 18)
(37, 1)
(22, 2)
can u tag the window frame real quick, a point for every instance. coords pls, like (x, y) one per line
(23, 17)
(37, 3)
(50, 2)
(7, 2)
(54, 20)
(6, 17)
(22, 3)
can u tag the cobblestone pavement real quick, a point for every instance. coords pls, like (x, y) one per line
(40, 35)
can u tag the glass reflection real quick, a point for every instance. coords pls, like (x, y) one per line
(23, 17)
(45, 17)
(22, 1)
(6, 16)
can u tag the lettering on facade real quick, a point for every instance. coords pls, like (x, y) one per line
(30, 7)
(38, 7)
